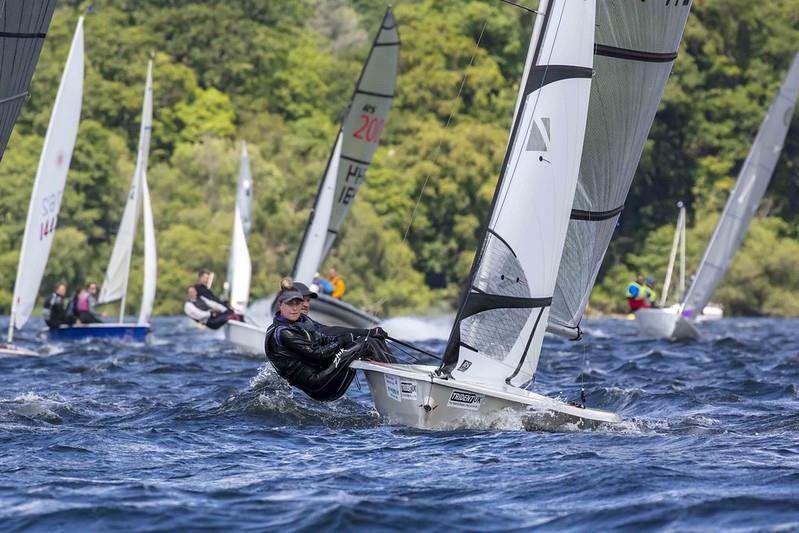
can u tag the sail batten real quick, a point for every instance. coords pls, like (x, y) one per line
(48, 186)
(352, 153)
(497, 335)
(636, 45)
(753, 180)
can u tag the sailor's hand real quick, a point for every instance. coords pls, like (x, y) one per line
(378, 333)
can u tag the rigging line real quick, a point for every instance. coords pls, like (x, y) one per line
(446, 125)
(407, 353)
(528, 9)
(412, 347)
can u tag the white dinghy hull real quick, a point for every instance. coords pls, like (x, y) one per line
(411, 395)
(665, 324)
(247, 338)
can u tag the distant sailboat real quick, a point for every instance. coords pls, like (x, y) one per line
(552, 217)
(48, 190)
(23, 28)
(239, 270)
(115, 285)
(753, 179)
(349, 160)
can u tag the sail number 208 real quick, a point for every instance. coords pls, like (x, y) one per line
(370, 130)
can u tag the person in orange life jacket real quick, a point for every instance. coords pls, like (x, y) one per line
(208, 312)
(307, 357)
(322, 285)
(54, 313)
(204, 292)
(86, 306)
(339, 287)
(636, 294)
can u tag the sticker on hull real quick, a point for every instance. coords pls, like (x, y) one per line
(465, 400)
(408, 390)
(393, 387)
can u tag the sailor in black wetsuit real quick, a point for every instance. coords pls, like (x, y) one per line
(375, 346)
(306, 355)
(54, 312)
(205, 293)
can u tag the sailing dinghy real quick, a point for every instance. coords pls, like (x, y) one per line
(352, 153)
(48, 190)
(115, 285)
(552, 218)
(678, 323)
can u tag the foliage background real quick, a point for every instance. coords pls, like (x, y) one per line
(279, 75)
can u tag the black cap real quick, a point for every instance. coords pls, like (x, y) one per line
(306, 292)
(289, 295)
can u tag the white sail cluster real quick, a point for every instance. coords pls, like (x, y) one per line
(593, 78)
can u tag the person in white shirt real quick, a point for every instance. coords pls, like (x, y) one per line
(212, 314)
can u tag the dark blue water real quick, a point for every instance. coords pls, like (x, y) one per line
(187, 434)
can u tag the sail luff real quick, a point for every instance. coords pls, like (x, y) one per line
(636, 45)
(497, 335)
(150, 257)
(749, 189)
(48, 186)
(118, 271)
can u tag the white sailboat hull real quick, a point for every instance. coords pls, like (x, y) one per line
(410, 395)
(245, 337)
(665, 323)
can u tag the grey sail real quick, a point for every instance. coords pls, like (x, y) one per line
(752, 182)
(23, 27)
(353, 150)
(637, 43)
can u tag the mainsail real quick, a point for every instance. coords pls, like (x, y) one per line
(115, 284)
(636, 45)
(23, 27)
(745, 197)
(499, 329)
(355, 146)
(239, 269)
(48, 187)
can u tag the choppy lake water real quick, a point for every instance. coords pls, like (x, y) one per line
(185, 433)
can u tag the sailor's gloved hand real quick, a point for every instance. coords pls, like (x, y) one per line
(378, 333)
